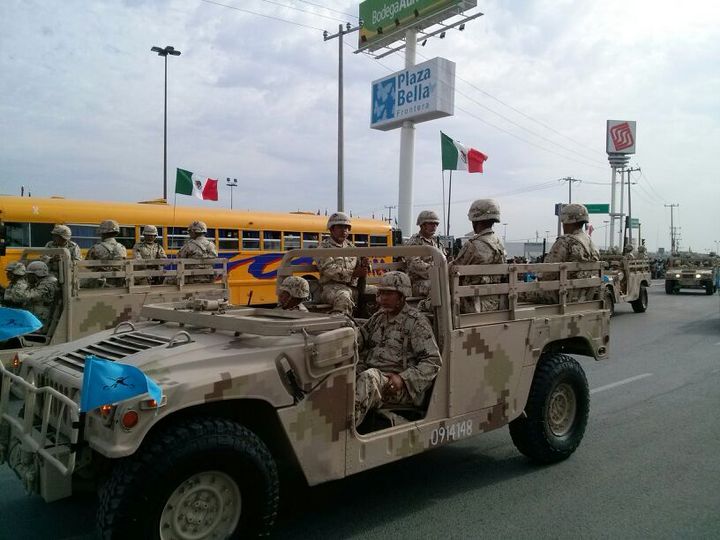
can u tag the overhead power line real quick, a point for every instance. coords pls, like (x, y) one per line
(328, 8)
(303, 10)
(263, 15)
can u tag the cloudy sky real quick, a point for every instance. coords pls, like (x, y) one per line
(255, 98)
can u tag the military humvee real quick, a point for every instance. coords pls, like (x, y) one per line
(249, 390)
(83, 309)
(691, 271)
(626, 280)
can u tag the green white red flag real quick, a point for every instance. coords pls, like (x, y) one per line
(202, 187)
(458, 157)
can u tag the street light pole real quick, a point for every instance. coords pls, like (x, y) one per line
(169, 50)
(231, 184)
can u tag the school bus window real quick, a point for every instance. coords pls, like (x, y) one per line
(361, 240)
(17, 234)
(292, 240)
(271, 240)
(84, 236)
(378, 240)
(126, 237)
(176, 237)
(228, 239)
(310, 240)
(251, 240)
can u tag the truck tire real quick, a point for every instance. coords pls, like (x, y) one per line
(609, 300)
(669, 287)
(709, 289)
(203, 478)
(640, 305)
(556, 413)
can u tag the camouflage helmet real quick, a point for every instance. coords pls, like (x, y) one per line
(296, 287)
(395, 281)
(198, 227)
(38, 268)
(15, 268)
(338, 218)
(150, 229)
(63, 231)
(615, 250)
(642, 249)
(427, 216)
(628, 248)
(109, 226)
(574, 213)
(484, 209)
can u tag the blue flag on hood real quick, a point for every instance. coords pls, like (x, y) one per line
(16, 322)
(106, 382)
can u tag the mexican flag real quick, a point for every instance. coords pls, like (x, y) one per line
(456, 157)
(188, 183)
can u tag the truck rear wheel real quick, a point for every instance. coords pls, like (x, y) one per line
(609, 300)
(640, 305)
(204, 478)
(556, 413)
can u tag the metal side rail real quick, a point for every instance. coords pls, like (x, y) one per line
(39, 439)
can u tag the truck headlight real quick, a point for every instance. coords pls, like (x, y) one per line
(677, 275)
(697, 276)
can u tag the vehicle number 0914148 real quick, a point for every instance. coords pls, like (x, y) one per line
(452, 432)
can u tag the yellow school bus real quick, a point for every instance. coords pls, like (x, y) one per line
(253, 242)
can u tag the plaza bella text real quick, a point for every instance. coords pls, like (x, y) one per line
(413, 86)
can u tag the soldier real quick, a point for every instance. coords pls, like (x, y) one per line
(61, 235)
(574, 246)
(292, 292)
(108, 249)
(42, 294)
(399, 358)
(339, 275)
(16, 292)
(483, 248)
(198, 247)
(642, 252)
(148, 248)
(628, 251)
(418, 267)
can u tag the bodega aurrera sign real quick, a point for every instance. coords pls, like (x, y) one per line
(422, 93)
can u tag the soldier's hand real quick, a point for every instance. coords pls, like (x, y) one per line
(361, 270)
(394, 385)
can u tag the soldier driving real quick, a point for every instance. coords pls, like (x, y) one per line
(399, 358)
(418, 267)
(292, 292)
(198, 247)
(483, 248)
(339, 275)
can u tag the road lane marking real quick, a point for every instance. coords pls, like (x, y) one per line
(620, 383)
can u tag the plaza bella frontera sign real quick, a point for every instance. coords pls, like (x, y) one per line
(421, 93)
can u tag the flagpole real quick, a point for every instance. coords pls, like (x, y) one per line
(447, 233)
(443, 203)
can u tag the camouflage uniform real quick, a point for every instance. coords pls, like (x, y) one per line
(42, 296)
(574, 247)
(403, 344)
(483, 248)
(339, 288)
(148, 250)
(418, 268)
(198, 248)
(108, 249)
(16, 293)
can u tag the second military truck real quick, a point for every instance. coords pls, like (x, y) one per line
(247, 390)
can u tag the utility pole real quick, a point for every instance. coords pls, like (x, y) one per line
(673, 247)
(606, 222)
(342, 30)
(629, 218)
(570, 183)
(390, 209)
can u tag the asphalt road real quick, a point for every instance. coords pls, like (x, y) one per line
(647, 468)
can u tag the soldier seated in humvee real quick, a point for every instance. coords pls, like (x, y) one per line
(399, 357)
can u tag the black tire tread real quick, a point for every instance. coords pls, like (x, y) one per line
(529, 433)
(638, 305)
(157, 454)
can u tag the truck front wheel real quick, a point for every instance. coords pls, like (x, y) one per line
(670, 287)
(204, 478)
(640, 305)
(556, 413)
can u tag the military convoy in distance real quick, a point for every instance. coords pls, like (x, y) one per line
(626, 280)
(692, 271)
(84, 309)
(247, 390)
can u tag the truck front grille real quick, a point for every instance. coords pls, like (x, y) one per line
(116, 347)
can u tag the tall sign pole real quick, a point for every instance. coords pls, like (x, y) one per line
(407, 148)
(620, 143)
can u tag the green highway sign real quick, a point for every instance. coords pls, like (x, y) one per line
(598, 208)
(633, 223)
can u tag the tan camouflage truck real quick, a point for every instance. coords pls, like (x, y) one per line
(626, 280)
(691, 271)
(84, 309)
(249, 390)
